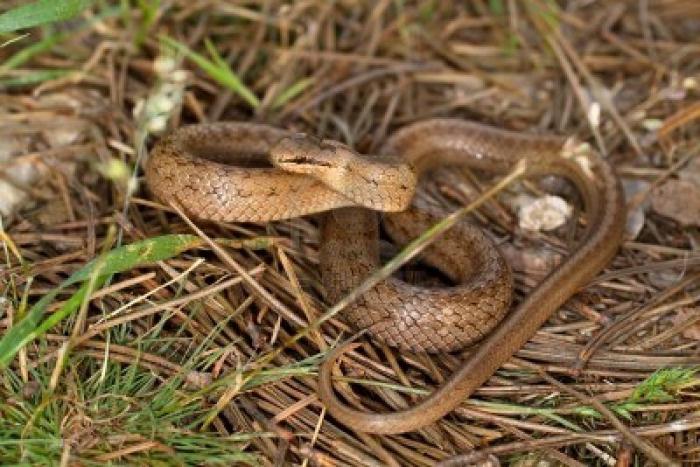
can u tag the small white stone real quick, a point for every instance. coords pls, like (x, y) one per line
(544, 213)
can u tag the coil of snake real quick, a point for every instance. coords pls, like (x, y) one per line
(255, 173)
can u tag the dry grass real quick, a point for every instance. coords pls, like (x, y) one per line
(236, 383)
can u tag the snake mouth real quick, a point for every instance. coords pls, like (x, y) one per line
(302, 160)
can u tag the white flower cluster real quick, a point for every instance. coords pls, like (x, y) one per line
(153, 112)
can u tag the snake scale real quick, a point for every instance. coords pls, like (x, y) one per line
(246, 172)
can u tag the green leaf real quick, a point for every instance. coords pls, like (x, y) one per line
(149, 15)
(586, 411)
(32, 77)
(217, 69)
(659, 386)
(496, 7)
(27, 53)
(113, 262)
(44, 45)
(562, 421)
(41, 12)
(623, 411)
(292, 91)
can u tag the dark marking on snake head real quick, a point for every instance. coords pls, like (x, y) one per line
(304, 160)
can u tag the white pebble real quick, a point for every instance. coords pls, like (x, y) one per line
(544, 213)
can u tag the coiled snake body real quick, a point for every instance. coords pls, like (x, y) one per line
(254, 173)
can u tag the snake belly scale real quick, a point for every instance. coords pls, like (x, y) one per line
(255, 173)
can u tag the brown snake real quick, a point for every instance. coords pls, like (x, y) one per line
(255, 173)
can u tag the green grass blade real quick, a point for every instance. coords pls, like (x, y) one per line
(41, 12)
(217, 69)
(661, 385)
(116, 261)
(28, 52)
(47, 43)
(497, 7)
(292, 91)
(32, 77)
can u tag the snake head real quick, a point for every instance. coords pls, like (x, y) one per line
(382, 183)
(327, 161)
(304, 154)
